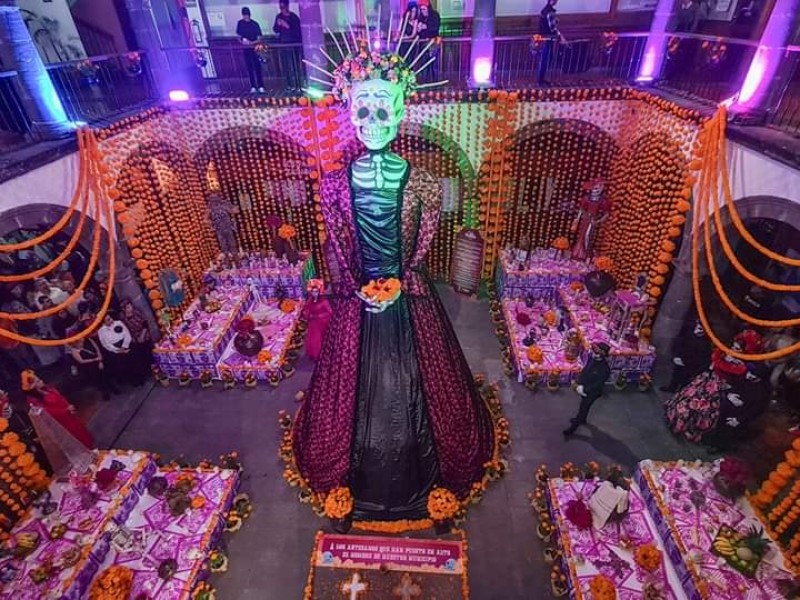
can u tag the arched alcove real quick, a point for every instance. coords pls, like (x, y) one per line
(262, 172)
(166, 216)
(550, 162)
(773, 221)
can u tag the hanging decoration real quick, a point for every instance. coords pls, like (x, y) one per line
(711, 162)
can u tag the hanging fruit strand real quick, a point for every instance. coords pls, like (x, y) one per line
(83, 159)
(709, 158)
(103, 208)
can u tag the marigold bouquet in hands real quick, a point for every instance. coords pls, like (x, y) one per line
(338, 503)
(379, 294)
(442, 504)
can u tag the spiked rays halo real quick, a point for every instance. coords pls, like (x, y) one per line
(359, 62)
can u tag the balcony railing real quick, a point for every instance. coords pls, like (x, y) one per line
(101, 87)
(703, 68)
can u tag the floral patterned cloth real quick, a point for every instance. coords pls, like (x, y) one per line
(694, 410)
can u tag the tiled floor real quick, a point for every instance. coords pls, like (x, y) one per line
(269, 556)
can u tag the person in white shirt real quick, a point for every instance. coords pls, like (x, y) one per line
(115, 339)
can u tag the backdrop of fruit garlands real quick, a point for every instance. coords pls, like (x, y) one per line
(512, 165)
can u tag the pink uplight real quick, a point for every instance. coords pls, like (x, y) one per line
(755, 76)
(482, 70)
(179, 96)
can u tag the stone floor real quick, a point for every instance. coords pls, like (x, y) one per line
(269, 556)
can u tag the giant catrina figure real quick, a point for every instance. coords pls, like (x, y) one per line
(392, 410)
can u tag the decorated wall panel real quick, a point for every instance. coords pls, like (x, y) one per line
(512, 164)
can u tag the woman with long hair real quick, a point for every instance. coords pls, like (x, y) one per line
(49, 399)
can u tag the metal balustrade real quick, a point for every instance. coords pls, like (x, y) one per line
(101, 87)
(702, 68)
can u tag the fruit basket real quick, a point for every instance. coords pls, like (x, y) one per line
(742, 552)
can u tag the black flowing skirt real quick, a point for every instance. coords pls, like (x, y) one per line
(394, 464)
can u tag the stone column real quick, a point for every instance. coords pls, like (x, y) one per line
(481, 58)
(678, 300)
(146, 32)
(656, 45)
(771, 67)
(313, 37)
(37, 94)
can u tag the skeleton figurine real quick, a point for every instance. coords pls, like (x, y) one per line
(383, 359)
(221, 212)
(254, 291)
(593, 210)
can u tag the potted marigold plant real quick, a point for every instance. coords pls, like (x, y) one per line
(338, 508)
(443, 506)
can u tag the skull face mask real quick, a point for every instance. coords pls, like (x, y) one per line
(376, 109)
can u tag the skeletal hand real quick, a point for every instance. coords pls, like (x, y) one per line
(735, 399)
(580, 390)
(750, 377)
(732, 422)
(374, 306)
(678, 361)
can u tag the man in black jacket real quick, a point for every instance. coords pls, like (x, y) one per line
(249, 33)
(548, 29)
(287, 26)
(591, 382)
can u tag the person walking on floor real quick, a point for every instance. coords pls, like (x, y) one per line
(287, 27)
(249, 33)
(548, 29)
(591, 382)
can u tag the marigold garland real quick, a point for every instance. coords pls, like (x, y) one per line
(709, 166)
(84, 157)
(104, 209)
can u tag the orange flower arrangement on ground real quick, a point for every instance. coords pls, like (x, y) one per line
(198, 502)
(338, 503)
(561, 243)
(648, 557)
(114, 583)
(263, 357)
(603, 263)
(287, 305)
(184, 340)
(287, 232)
(550, 318)
(382, 290)
(602, 588)
(535, 354)
(442, 504)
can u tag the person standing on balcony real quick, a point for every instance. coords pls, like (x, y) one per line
(688, 16)
(429, 23)
(287, 26)
(548, 29)
(249, 33)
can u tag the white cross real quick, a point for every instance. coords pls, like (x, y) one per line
(354, 587)
(407, 590)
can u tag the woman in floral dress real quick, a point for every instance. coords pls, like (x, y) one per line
(713, 408)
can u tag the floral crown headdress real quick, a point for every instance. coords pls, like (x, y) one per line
(359, 62)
